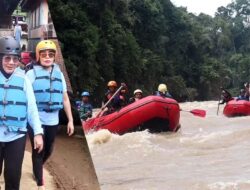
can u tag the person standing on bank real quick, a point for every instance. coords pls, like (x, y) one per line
(17, 107)
(18, 32)
(85, 109)
(51, 95)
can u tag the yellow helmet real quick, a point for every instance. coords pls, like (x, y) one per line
(112, 83)
(162, 88)
(137, 91)
(44, 45)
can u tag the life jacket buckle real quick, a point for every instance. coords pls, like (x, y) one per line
(50, 103)
(3, 118)
(52, 78)
(51, 90)
(5, 102)
(6, 86)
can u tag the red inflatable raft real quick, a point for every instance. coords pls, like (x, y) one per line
(237, 108)
(153, 112)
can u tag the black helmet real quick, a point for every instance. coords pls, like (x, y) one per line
(9, 46)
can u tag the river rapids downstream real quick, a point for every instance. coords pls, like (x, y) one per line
(211, 153)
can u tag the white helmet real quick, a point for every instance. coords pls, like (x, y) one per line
(137, 91)
(162, 88)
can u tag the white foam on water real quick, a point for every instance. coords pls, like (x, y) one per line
(237, 185)
(201, 105)
(99, 137)
(203, 138)
(141, 141)
(209, 153)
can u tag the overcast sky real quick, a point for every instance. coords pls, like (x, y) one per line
(198, 6)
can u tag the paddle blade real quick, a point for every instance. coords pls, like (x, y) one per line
(198, 112)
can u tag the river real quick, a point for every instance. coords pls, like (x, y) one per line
(211, 153)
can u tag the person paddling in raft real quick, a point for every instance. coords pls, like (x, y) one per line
(85, 108)
(51, 95)
(137, 96)
(247, 90)
(118, 101)
(18, 106)
(242, 95)
(163, 91)
(225, 96)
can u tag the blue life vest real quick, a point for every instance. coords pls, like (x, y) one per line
(13, 102)
(48, 88)
(85, 111)
(167, 95)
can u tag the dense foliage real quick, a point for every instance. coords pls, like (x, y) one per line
(147, 42)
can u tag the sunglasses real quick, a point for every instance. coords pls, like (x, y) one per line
(50, 55)
(8, 58)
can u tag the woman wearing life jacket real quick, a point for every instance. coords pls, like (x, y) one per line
(51, 95)
(17, 107)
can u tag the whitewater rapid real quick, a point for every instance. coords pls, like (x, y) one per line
(211, 153)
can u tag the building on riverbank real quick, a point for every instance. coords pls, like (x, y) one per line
(6, 10)
(40, 27)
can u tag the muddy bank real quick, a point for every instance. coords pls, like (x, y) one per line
(70, 164)
(27, 181)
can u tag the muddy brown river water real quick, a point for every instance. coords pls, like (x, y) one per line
(211, 153)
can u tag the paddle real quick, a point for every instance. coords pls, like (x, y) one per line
(107, 103)
(218, 106)
(196, 112)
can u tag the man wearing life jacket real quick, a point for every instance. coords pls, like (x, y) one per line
(119, 100)
(51, 95)
(85, 109)
(137, 96)
(163, 91)
(225, 96)
(17, 107)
